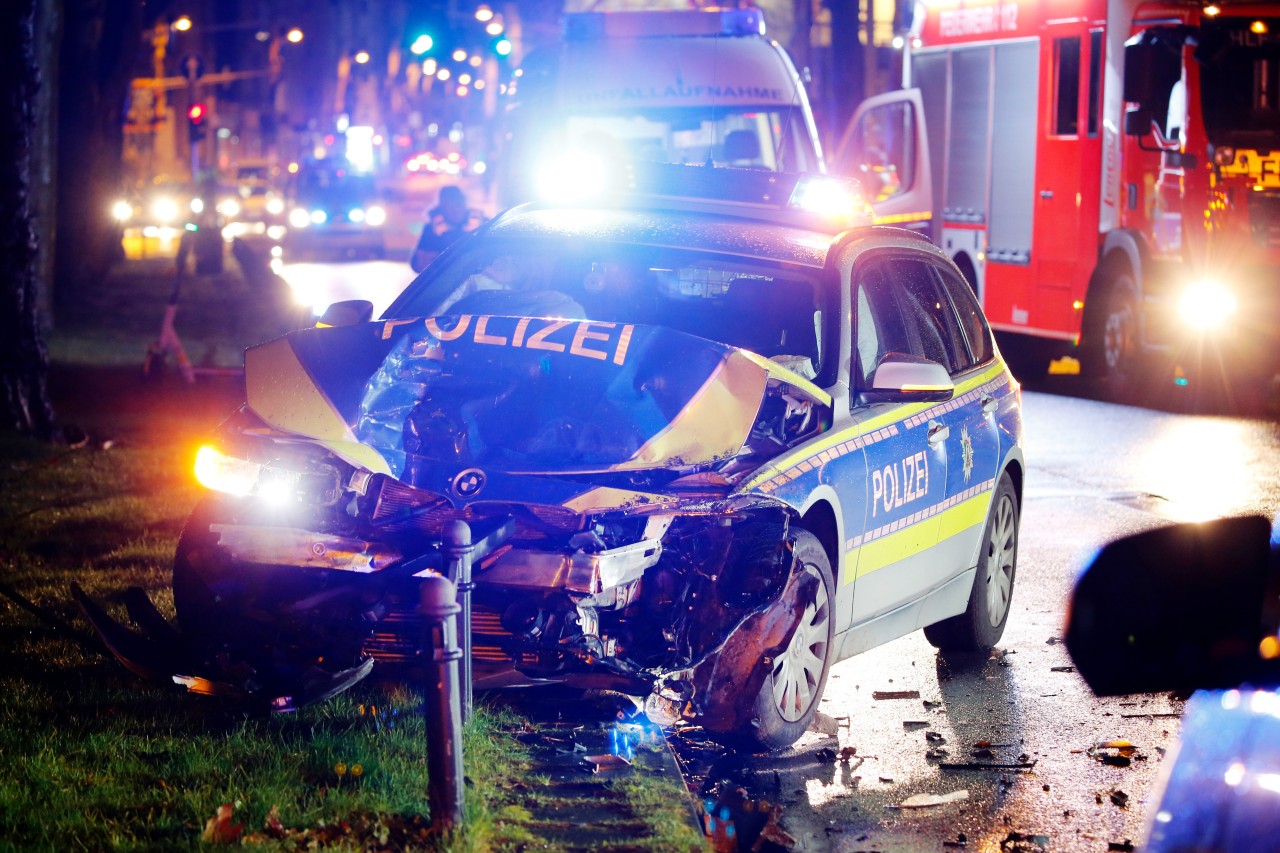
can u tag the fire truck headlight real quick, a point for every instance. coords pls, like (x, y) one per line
(1207, 304)
(1224, 155)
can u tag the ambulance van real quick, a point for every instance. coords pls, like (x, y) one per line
(703, 87)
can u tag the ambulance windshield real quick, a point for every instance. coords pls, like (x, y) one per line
(773, 138)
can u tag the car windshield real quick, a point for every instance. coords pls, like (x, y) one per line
(770, 309)
(762, 138)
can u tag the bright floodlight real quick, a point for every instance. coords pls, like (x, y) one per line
(1207, 304)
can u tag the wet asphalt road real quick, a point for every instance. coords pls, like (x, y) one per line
(1095, 471)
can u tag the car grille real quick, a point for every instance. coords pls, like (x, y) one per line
(403, 509)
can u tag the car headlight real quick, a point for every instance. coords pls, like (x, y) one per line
(197, 205)
(375, 215)
(1207, 304)
(229, 207)
(165, 210)
(273, 483)
(299, 217)
(319, 217)
(355, 214)
(275, 206)
(122, 211)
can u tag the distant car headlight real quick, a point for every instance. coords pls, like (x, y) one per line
(122, 211)
(356, 214)
(1207, 304)
(229, 207)
(319, 217)
(375, 215)
(275, 206)
(299, 217)
(165, 209)
(197, 205)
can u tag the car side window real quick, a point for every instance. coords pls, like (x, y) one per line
(901, 308)
(977, 333)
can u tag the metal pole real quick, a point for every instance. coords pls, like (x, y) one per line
(458, 549)
(438, 604)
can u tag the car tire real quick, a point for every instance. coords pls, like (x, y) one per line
(982, 623)
(789, 697)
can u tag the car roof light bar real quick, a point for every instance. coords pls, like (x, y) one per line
(588, 26)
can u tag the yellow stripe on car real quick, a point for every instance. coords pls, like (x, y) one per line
(995, 375)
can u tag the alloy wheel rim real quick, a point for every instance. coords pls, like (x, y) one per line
(1001, 550)
(798, 670)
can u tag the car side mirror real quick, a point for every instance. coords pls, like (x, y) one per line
(1187, 607)
(349, 312)
(904, 378)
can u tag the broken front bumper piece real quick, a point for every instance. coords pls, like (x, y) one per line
(160, 654)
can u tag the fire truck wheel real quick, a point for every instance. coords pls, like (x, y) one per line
(1112, 338)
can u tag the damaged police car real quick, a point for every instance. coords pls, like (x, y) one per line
(708, 440)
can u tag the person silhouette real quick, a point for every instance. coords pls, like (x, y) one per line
(446, 222)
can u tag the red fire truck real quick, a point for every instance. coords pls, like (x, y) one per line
(1106, 172)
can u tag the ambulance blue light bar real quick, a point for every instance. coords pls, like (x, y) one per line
(817, 201)
(589, 26)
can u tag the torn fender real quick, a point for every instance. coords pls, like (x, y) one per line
(720, 688)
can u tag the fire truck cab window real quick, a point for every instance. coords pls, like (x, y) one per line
(1066, 112)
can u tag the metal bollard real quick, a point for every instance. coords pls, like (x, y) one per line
(458, 549)
(438, 604)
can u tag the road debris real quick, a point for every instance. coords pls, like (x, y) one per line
(1117, 753)
(921, 801)
(1062, 669)
(895, 694)
(824, 724)
(1125, 846)
(987, 765)
(1018, 842)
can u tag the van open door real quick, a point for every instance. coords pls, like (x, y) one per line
(886, 150)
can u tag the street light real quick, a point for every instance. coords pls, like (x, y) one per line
(182, 24)
(294, 35)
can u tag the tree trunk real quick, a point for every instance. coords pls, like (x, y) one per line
(22, 351)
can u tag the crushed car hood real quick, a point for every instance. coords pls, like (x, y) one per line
(425, 399)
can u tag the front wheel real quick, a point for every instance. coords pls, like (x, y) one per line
(991, 597)
(1112, 341)
(788, 699)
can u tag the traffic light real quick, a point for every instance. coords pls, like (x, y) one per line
(422, 44)
(196, 115)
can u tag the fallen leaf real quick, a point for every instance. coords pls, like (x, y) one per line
(219, 829)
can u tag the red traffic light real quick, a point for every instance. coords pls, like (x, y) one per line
(196, 113)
